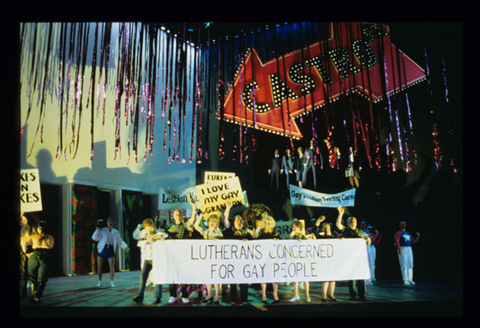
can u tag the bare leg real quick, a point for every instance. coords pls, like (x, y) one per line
(100, 267)
(209, 291)
(307, 290)
(295, 289)
(275, 290)
(111, 263)
(264, 292)
(331, 289)
(324, 289)
(217, 292)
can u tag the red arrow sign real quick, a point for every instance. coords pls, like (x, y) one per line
(357, 57)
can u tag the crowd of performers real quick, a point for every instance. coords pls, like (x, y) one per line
(254, 223)
(301, 168)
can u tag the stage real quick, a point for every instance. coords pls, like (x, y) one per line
(77, 297)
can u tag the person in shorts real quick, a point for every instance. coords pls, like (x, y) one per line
(108, 239)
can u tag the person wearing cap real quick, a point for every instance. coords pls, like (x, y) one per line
(351, 231)
(108, 239)
(404, 242)
(41, 243)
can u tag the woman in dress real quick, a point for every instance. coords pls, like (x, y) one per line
(353, 168)
(265, 231)
(213, 232)
(298, 232)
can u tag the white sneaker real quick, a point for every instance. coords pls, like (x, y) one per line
(293, 299)
(112, 284)
(99, 284)
(185, 300)
(172, 299)
(406, 282)
(307, 300)
(411, 282)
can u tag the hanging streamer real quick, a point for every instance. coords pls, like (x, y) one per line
(447, 101)
(437, 153)
(42, 102)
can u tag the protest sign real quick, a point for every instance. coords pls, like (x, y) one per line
(212, 177)
(305, 197)
(172, 199)
(214, 196)
(284, 228)
(258, 261)
(30, 195)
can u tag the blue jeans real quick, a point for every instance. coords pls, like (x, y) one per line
(147, 267)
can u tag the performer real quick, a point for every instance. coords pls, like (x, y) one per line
(404, 242)
(265, 231)
(275, 170)
(351, 231)
(353, 168)
(108, 239)
(310, 164)
(213, 232)
(146, 234)
(237, 231)
(371, 251)
(180, 230)
(378, 238)
(41, 244)
(325, 232)
(300, 162)
(298, 232)
(287, 166)
(27, 229)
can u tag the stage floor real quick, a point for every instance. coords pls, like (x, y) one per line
(78, 297)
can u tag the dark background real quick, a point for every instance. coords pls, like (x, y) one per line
(430, 199)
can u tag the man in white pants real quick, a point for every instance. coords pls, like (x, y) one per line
(404, 242)
(371, 250)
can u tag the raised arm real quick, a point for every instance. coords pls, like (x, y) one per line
(339, 224)
(197, 223)
(226, 214)
(191, 221)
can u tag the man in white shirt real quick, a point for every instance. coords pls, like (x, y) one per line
(108, 239)
(146, 234)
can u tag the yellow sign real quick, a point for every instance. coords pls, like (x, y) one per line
(212, 177)
(214, 196)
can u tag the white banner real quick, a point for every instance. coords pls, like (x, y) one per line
(172, 199)
(256, 261)
(30, 195)
(306, 197)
